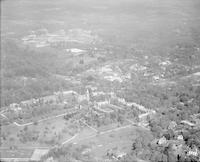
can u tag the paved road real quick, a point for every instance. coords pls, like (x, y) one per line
(25, 148)
(15, 159)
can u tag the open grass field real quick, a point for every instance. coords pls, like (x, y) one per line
(110, 140)
(55, 129)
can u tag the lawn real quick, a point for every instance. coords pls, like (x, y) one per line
(118, 140)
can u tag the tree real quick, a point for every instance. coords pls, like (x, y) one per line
(81, 61)
(25, 128)
(113, 116)
(155, 128)
(120, 118)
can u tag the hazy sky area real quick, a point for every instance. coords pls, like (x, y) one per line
(154, 21)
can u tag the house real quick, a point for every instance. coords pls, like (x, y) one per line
(102, 109)
(50, 159)
(15, 107)
(85, 97)
(117, 155)
(91, 87)
(162, 141)
(76, 51)
(99, 114)
(156, 77)
(172, 125)
(103, 103)
(106, 69)
(69, 92)
(165, 63)
(193, 152)
(186, 122)
(122, 100)
(26, 103)
(108, 74)
(112, 95)
(120, 155)
(98, 93)
(86, 151)
(113, 78)
(180, 138)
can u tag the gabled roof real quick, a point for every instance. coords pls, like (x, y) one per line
(38, 153)
(188, 123)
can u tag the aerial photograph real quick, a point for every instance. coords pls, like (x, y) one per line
(100, 81)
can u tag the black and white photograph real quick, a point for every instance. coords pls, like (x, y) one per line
(100, 80)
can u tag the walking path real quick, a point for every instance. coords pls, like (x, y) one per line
(70, 139)
(89, 126)
(131, 122)
(16, 159)
(101, 133)
(25, 148)
(42, 120)
(4, 116)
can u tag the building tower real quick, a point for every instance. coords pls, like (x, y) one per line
(88, 95)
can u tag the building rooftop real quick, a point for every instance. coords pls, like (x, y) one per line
(38, 153)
